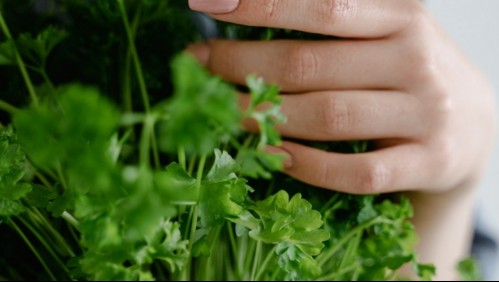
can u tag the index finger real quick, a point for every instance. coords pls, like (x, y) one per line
(343, 18)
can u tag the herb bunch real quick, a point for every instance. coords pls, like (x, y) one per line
(121, 158)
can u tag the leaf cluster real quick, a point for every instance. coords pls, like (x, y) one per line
(122, 158)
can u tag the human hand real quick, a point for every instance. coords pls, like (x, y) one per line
(394, 78)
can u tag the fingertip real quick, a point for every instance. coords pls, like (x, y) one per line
(214, 6)
(201, 52)
(288, 161)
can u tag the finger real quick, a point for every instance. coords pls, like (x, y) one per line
(399, 168)
(349, 115)
(346, 18)
(299, 66)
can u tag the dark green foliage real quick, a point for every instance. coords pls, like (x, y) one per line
(121, 158)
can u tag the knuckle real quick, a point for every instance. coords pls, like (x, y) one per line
(373, 175)
(336, 116)
(422, 64)
(440, 108)
(443, 157)
(333, 11)
(223, 58)
(416, 15)
(323, 175)
(269, 9)
(300, 65)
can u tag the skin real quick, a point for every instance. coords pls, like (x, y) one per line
(396, 78)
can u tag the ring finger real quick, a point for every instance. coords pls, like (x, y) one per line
(348, 115)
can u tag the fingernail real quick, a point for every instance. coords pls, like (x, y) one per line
(200, 51)
(288, 162)
(214, 6)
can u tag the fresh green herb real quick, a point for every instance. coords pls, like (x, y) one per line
(121, 158)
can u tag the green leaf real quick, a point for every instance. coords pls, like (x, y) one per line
(75, 131)
(142, 209)
(12, 160)
(296, 227)
(167, 245)
(262, 93)
(224, 167)
(221, 200)
(297, 264)
(266, 96)
(7, 53)
(176, 185)
(469, 270)
(41, 196)
(15, 192)
(425, 271)
(256, 163)
(367, 211)
(223, 194)
(38, 48)
(11, 166)
(10, 207)
(203, 112)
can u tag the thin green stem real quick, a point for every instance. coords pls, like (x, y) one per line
(331, 200)
(276, 272)
(249, 257)
(181, 157)
(133, 49)
(256, 260)
(232, 239)
(4, 106)
(336, 276)
(20, 62)
(324, 257)
(194, 219)
(145, 141)
(265, 263)
(127, 83)
(33, 249)
(60, 174)
(43, 179)
(192, 164)
(392, 276)
(46, 245)
(154, 147)
(350, 250)
(192, 233)
(47, 225)
(199, 174)
(47, 80)
(243, 247)
(70, 219)
(206, 269)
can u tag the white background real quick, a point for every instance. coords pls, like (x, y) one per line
(474, 26)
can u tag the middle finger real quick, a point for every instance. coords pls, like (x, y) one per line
(309, 66)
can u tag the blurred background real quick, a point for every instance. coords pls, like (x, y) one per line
(474, 25)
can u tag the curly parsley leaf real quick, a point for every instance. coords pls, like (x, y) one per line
(223, 194)
(296, 228)
(38, 48)
(12, 161)
(264, 108)
(256, 163)
(266, 96)
(76, 129)
(203, 112)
